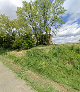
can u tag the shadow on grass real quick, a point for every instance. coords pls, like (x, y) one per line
(4, 51)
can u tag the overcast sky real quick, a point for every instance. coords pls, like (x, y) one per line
(70, 29)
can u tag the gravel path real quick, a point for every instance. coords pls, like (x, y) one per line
(10, 83)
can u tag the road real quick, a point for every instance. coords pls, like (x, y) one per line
(10, 83)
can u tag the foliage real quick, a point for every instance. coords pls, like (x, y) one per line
(5, 24)
(40, 16)
(14, 38)
(32, 26)
(24, 41)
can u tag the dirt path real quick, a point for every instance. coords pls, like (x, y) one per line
(10, 83)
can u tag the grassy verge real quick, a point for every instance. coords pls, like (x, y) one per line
(59, 63)
(37, 82)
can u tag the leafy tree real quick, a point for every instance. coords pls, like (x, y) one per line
(41, 15)
(5, 24)
(5, 31)
(19, 38)
(33, 24)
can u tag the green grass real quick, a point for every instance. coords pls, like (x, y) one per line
(60, 63)
(37, 85)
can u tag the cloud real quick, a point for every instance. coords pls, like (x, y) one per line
(9, 7)
(67, 30)
(72, 6)
(70, 31)
(73, 10)
(67, 39)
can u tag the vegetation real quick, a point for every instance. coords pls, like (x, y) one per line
(59, 63)
(32, 26)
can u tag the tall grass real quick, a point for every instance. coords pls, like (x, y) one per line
(60, 63)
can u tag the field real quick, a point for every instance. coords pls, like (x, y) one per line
(54, 68)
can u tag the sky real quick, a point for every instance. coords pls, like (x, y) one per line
(69, 32)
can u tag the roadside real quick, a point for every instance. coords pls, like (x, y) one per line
(38, 82)
(10, 83)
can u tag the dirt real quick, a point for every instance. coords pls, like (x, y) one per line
(18, 53)
(44, 81)
(10, 83)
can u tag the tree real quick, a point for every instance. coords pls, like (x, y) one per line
(40, 16)
(5, 24)
(5, 31)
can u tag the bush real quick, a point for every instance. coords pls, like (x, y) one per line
(44, 39)
(17, 43)
(29, 41)
(1, 41)
(7, 41)
(16, 40)
(23, 42)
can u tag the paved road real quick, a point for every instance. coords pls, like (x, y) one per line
(10, 83)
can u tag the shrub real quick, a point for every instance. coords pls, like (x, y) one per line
(24, 41)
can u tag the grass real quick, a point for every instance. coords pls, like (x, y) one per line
(27, 75)
(60, 63)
